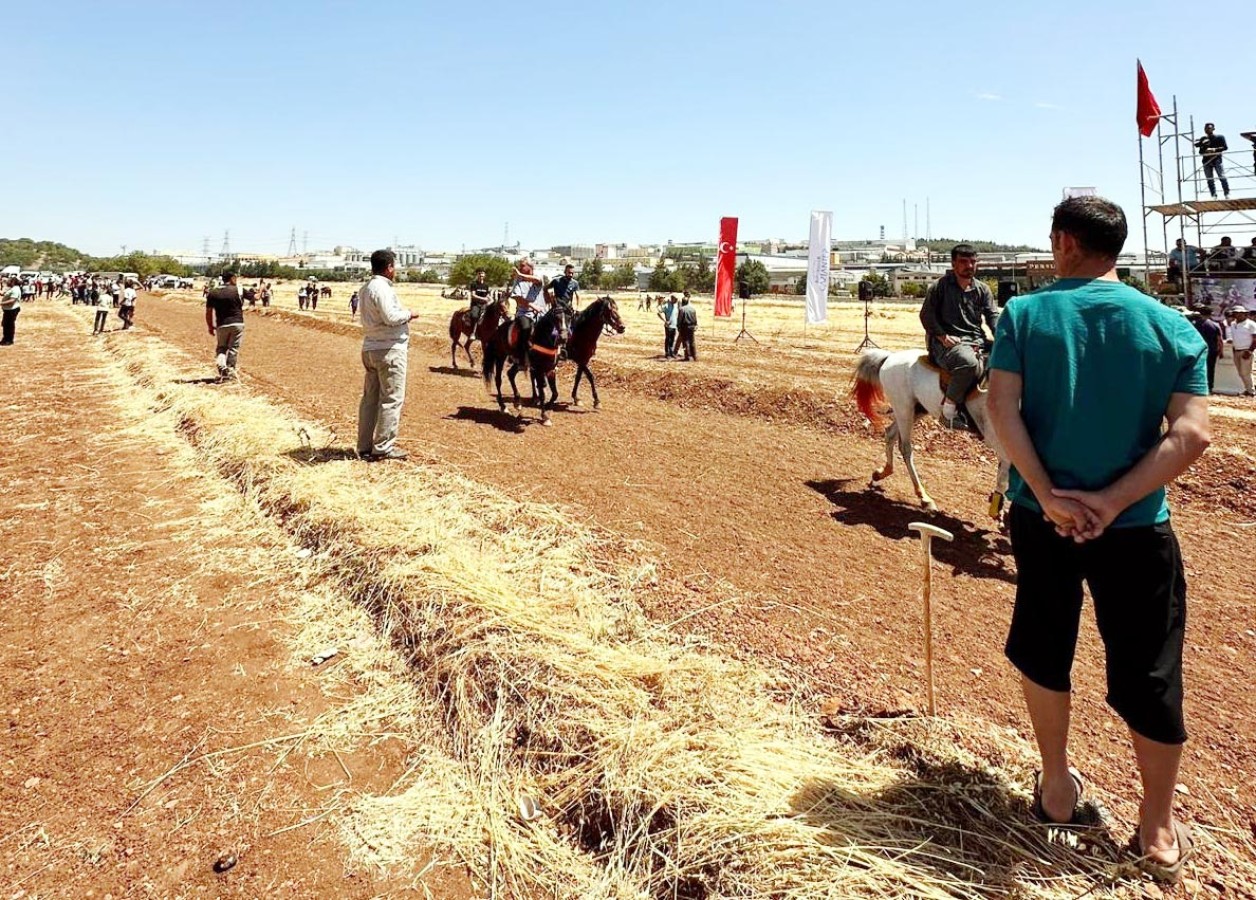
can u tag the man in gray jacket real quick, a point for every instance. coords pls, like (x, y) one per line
(385, 344)
(951, 315)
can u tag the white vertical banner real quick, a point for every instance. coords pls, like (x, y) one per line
(818, 266)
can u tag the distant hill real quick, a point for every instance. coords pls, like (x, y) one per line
(945, 244)
(49, 256)
(41, 255)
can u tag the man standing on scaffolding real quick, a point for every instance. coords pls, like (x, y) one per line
(1211, 147)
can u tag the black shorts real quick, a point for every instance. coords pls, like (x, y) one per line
(1138, 588)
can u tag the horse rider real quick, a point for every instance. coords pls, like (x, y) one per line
(481, 294)
(952, 317)
(527, 290)
(565, 289)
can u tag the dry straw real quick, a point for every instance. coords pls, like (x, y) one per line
(578, 750)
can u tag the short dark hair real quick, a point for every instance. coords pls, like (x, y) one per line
(967, 251)
(228, 275)
(381, 260)
(1097, 224)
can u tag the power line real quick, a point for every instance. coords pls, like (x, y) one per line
(226, 243)
(292, 242)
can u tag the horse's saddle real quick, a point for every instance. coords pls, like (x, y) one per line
(944, 377)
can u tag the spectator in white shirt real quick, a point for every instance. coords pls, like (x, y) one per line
(126, 311)
(1243, 338)
(10, 305)
(385, 343)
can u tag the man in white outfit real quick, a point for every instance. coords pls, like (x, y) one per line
(1243, 340)
(385, 344)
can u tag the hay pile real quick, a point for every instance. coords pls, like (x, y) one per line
(577, 749)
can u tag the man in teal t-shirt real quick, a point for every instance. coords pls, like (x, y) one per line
(1084, 374)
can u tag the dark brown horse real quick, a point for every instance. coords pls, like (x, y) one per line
(602, 315)
(482, 329)
(535, 351)
(459, 327)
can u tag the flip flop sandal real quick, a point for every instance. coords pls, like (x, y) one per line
(1157, 870)
(1078, 816)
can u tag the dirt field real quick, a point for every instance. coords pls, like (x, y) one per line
(149, 626)
(746, 470)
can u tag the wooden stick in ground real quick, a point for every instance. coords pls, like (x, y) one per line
(927, 534)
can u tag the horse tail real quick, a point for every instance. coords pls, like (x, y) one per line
(455, 331)
(867, 391)
(487, 351)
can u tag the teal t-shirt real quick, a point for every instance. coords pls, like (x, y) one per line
(1098, 360)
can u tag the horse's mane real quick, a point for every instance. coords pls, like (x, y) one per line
(548, 316)
(587, 312)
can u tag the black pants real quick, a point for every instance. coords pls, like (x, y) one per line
(6, 325)
(1138, 587)
(686, 342)
(1212, 369)
(669, 341)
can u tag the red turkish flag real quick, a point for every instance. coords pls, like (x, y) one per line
(1148, 108)
(726, 267)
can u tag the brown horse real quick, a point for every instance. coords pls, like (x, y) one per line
(460, 327)
(484, 328)
(602, 315)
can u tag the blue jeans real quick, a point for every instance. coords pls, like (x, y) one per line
(1214, 166)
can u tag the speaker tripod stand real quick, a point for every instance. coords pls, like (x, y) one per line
(867, 341)
(745, 332)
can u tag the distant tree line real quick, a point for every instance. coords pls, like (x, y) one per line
(943, 245)
(696, 276)
(49, 255)
(273, 271)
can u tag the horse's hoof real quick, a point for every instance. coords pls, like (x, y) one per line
(546, 422)
(928, 504)
(878, 476)
(597, 404)
(575, 402)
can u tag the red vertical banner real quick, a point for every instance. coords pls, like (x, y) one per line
(1148, 115)
(726, 267)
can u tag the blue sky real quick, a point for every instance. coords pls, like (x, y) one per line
(156, 124)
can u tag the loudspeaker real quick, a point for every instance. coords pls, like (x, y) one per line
(865, 291)
(1007, 290)
(743, 290)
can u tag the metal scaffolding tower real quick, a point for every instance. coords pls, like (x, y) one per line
(1175, 192)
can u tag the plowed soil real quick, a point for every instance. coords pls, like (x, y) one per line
(143, 632)
(749, 469)
(746, 473)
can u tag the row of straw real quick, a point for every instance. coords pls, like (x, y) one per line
(592, 753)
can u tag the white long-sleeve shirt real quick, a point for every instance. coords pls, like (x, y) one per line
(385, 322)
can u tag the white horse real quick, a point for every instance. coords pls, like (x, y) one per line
(912, 382)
